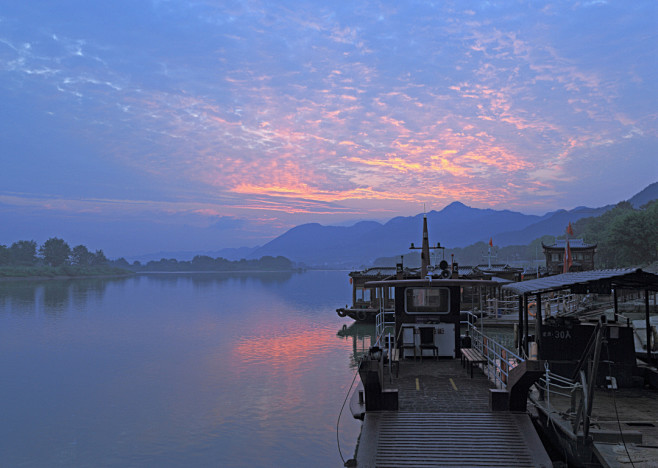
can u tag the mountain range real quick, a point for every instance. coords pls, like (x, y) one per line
(456, 225)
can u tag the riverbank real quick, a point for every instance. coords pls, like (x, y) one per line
(44, 272)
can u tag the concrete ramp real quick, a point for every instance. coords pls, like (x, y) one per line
(450, 439)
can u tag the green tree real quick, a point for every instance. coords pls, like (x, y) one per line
(23, 253)
(98, 258)
(5, 256)
(80, 255)
(203, 262)
(121, 263)
(55, 251)
(624, 236)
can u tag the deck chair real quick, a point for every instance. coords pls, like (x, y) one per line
(427, 341)
(405, 342)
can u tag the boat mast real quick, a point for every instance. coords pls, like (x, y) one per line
(425, 248)
(425, 252)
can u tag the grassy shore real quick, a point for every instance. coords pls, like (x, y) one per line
(70, 271)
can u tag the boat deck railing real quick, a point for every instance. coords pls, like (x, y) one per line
(500, 359)
(560, 304)
(385, 337)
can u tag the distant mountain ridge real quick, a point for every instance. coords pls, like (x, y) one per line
(456, 225)
(645, 196)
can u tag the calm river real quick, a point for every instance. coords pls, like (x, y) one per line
(177, 370)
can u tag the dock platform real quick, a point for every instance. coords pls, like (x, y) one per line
(443, 419)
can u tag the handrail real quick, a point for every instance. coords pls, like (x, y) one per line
(500, 359)
(381, 328)
(562, 304)
(580, 386)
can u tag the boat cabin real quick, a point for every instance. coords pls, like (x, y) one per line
(427, 314)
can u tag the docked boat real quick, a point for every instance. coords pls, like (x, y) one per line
(598, 400)
(577, 379)
(368, 301)
(421, 400)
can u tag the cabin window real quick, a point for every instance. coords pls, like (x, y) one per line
(363, 294)
(427, 300)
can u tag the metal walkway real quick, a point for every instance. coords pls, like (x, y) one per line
(455, 439)
(444, 420)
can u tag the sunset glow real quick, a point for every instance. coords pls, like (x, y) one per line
(200, 112)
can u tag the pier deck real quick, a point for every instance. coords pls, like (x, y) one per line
(444, 420)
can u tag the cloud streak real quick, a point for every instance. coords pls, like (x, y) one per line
(253, 110)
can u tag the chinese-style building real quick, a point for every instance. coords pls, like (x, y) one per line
(582, 255)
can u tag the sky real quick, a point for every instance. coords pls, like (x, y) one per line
(137, 126)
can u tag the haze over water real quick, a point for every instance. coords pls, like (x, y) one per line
(175, 370)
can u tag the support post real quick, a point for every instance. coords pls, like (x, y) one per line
(616, 304)
(525, 323)
(646, 307)
(538, 326)
(520, 331)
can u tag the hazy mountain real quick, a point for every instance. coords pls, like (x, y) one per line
(554, 224)
(457, 225)
(315, 244)
(645, 196)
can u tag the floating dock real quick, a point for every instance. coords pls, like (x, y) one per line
(444, 418)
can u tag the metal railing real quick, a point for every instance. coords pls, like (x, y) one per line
(559, 305)
(385, 335)
(500, 359)
(498, 307)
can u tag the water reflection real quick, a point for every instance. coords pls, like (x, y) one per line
(55, 296)
(362, 335)
(211, 278)
(177, 370)
(19, 294)
(52, 297)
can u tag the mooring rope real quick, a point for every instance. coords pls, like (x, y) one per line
(349, 390)
(614, 400)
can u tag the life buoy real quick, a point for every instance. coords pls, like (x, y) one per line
(361, 315)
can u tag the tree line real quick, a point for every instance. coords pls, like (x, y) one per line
(54, 252)
(625, 236)
(206, 263)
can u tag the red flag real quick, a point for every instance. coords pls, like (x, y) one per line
(570, 229)
(491, 242)
(568, 260)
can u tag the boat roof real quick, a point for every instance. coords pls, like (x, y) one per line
(623, 278)
(374, 272)
(436, 282)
